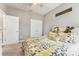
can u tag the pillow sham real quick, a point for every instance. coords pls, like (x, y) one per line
(75, 30)
(52, 36)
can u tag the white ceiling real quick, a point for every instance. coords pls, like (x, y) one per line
(37, 9)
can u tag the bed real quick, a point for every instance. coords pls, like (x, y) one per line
(60, 44)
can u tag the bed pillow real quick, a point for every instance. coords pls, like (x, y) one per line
(53, 36)
(75, 30)
(62, 29)
(76, 37)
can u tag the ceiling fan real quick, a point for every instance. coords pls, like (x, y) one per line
(36, 5)
(31, 6)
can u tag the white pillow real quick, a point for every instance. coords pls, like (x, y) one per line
(75, 30)
(62, 28)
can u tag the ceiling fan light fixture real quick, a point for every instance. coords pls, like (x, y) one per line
(35, 4)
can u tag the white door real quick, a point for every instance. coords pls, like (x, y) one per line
(0, 35)
(1, 17)
(11, 30)
(2, 13)
(36, 28)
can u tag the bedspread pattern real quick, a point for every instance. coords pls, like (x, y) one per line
(45, 47)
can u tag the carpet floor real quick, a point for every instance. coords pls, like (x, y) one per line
(12, 50)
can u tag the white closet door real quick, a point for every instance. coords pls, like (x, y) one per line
(1, 17)
(2, 13)
(11, 30)
(36, 28)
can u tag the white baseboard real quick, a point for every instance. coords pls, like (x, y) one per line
(21, 40)
(3, 44)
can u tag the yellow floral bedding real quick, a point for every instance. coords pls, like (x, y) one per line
(39, 47)
(42, 46)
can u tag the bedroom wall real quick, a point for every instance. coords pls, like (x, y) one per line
(24, 21)
(2, 11)
(2, 7)
(68, 19)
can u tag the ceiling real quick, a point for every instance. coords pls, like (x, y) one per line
(41, 8)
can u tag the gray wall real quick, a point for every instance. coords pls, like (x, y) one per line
(2, 7)
(2, 11)
(24, 20)
(71, 18)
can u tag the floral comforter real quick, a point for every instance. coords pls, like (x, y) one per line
(42, 46)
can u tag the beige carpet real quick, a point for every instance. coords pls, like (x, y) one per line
(12, 50)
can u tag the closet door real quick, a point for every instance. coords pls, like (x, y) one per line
(11, 30)
(2, 13)
(36, 28)
(1, 17)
